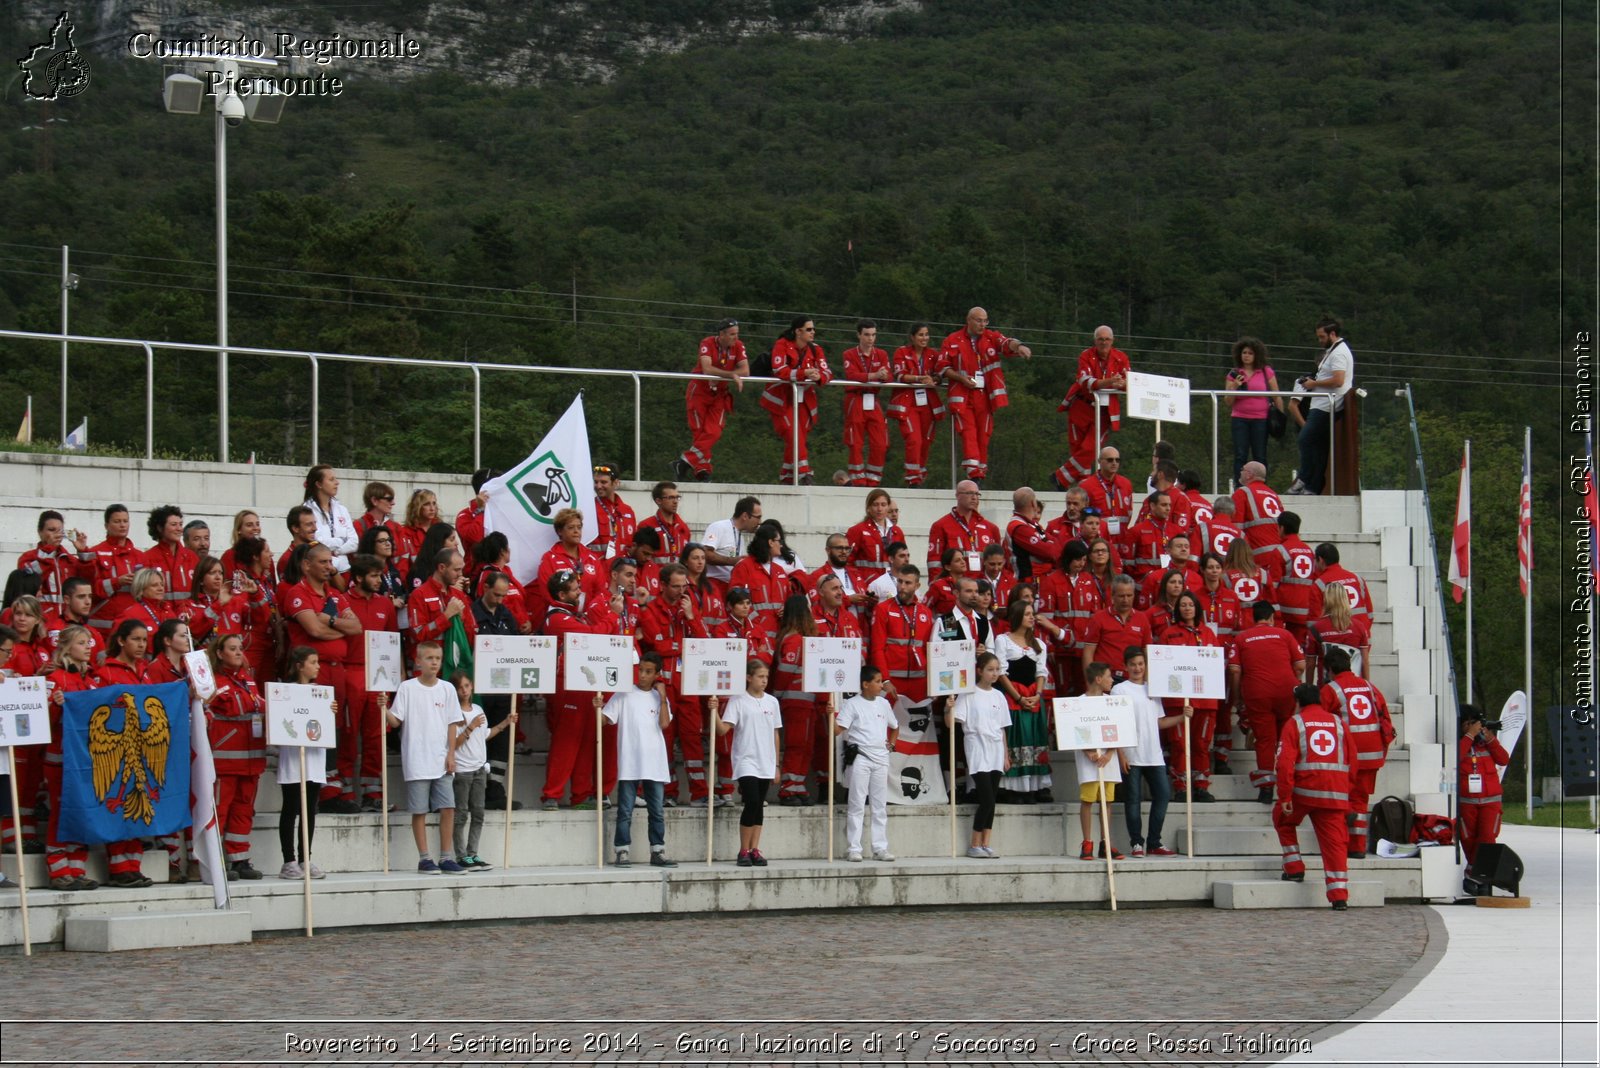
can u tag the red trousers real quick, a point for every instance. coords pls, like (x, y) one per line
(70, 859)
(1328, 823)
(360, 726)
(688, 726)
(916, 430)
(799, 746)
(30, 775)
(1083, 448)
(236, 813)
(783, 425)
(571, 717)
(869, 429)
(708, 417)
(1266, 714)
(1362, 782)
(975, 424)
(1480, 825)
(1197, 758)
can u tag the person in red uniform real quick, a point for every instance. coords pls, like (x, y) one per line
(377, 502)
(614, 519)
(964, 528)
(722, 359)
(469, 521)
(570, 554)
(761, 574)
(741, 624)
(942, 597)
(572, 737)
(1110, 495)
(319, 616)
(1218, 605)
(169, 555)
(1068, 599)
(1165, 479)
(52, 560)
(150, 603)
(802, 366)
(970, 358)
(1069, 524)
(797, 707)
(647, 569)
(70, 671)
(422, 512)
(215, 609)
(869, 540)
(1256, 508)
(1217, 530)
(865, 425)
(1102, 366)
(1335, 629)
(1329, 570)
(1147, 539)
(1001, 582)
(666, 521)
(853, 581)
(1191, 765)
(663, 626)
(1365, 714)
(114, 561)
(1199, 507)
(1250, 582)
(1264, 667)
(1299, 601)
(302, 525)
(363, 720)
(1112, 630)
(125, 665)
(1033, 549)
(901, 630)
(236, 725)
(30, 655)
(254, 573)
(1479, 758)
(434, 604)
(1152, 591)
(917, 407)
(1313, 777)
(77, 605)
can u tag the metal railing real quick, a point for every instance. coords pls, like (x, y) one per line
(315, 359)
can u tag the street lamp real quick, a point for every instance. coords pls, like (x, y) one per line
(184, 94)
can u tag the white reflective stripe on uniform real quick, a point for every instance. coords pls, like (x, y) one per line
(1329, 795)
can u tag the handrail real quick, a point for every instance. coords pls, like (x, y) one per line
(316, 357)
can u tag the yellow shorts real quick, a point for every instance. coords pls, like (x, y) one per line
(1090, 791)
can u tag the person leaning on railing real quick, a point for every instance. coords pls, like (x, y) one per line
(1250, 374)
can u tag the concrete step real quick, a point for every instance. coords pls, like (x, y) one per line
(1257, 841)
(1311, 894)
(162, 930)
(153, 865)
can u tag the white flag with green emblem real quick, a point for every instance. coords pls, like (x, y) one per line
(524, 502)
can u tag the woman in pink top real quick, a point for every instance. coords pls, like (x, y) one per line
(1250, 374)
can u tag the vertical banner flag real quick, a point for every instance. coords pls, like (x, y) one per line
(25, 431)
(1461, 540)
(203, 806)
(125, 752)
(523, 502)
(78, 440)
(1525, 527)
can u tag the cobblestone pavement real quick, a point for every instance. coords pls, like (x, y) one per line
(1023, 980)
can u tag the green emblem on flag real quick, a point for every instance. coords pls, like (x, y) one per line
(542, 486)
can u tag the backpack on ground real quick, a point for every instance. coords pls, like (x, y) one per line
(1392, 818)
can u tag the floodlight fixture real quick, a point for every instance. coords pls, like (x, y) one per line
(183, 94)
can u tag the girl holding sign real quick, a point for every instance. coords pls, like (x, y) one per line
(167, 650)
(986, 716)
(303, 669)
(1189, 628)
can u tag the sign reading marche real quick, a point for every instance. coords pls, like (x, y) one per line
(1095, 722)
(831, 665)
(597, 662)
(504, 663)
(385, 668)
(1195, 672)
(1158, 397)
(950, 667)
(712, 666)
(24, 713)
(300, 716)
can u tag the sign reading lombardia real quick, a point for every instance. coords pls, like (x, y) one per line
(596, 663)
(712, 666)
(1095, 722)
(300, 716)
(507, 663)
(831, 665)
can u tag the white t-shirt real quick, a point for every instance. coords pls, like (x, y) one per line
(425, 713)
(867, 725)
(289, 764)
(1112, 772)
(986, 716)
(755, 722)
(1337, 358)
(1146, 752)
(474, 752)
(641, 747)
(727, 540)
(336, 531)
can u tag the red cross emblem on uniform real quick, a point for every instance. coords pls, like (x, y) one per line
(1352, 589)
(1322, 742)
(1302, 566)
(1360, 706)
(1272, 506)
(1221, 541)
(1247, 589)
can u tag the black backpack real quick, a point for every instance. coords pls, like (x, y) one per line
(1391, 818)
(761, 364)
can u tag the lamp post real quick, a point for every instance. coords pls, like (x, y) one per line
(184, 94)
(69, 282)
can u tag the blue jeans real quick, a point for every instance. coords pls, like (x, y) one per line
(1314, 450)
(655, 804)
(1132, 794)
(1249, 443)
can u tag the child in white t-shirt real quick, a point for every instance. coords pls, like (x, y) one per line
(870, 728)
(471, 779)
(1106, 764)
(1147, 766)
(754, 719)
(985, 717)
(642, 716)
(430, 711)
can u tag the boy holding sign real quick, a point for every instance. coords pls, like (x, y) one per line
(642, 716)
(1146, 766)
(430, 710)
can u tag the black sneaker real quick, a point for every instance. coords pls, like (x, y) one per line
(702, 476)
(681, 469)
(1204, 797)
(1299, 877)
(339, 806)
(244, 870)
(1264, 795)
(1341, 906)
(659, 860)
(1220, 766)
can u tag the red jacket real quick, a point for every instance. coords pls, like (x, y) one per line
(1266, 656)
(55, 623)
(561, 618)
(1111, 637)
(236, 725)
(661, 630)
(1256, 509)
(1150, 589)
(378, 614)
(54, 567)
(903, 401)
(869, 547)
(1216, 534)
(1091, 369)
(591, 570)
(760, 641)
(1483, 756)
(1112, 497)
(1365, 714)
(1320, 634)
(857, 366)
(786, 683)
(1221, 609)
(469, 527)
(116, 673)
(614, 527)
(718, 390)
(425, 613)
(1069, 601)
(675, 534)
(981, 355)
(1314, 761)
(710, 601)
(1145, 543)
(66, 682)
(941, 596)
(1031, 550)
(900, 636)
(971, 536)
(207, 618)
(113, 560)
(160, 670)
(302, 598)
(1003, 584)
(768, 586)
(151, 613)
(177, 563)
(790, 364)
(1354, 587)
(1299, 600)
(1248, 590)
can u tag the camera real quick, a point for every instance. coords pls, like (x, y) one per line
(1493, 725)
(231, 109)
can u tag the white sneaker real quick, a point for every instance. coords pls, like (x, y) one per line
(989, 852)
(291, 870)
(316, 872)
(977, 853)
(854, 856)
(882, 854)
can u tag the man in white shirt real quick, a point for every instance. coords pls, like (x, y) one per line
(726, 540)
(1327, 387)
(883, 588)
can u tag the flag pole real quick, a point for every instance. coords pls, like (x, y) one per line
(383, 771)
(1527, 625)
(711, 776)
(511, 774)
(1466, 475)
(22, 870)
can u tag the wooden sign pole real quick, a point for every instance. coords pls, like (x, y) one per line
(305, 845)
(599, 785)
(950, 732)
(711, 774)
(511, 777)
(1188, 783)
(22, 871)
(383, 776)
(1105, 834)
(833, 757)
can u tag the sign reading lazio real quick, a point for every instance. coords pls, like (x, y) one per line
(300, 716)
(831, 665)
(507, 663)
(543, 486)
(712, 666)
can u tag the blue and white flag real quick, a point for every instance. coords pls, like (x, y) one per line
(125, 751)
(78, 440)
(523, 502)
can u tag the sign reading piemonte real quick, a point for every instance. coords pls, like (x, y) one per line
(24, 712)
(830, 665)
(299, 716)
(950, 667)
(596, 663)
(1158, 397)
(386, 669)
(1192, 672)
(1095, 722)
(506, 663)
(712, 666)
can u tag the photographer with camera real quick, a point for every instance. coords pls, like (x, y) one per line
(1478, 761)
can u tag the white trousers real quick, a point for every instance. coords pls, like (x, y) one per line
(867, 782)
